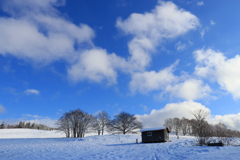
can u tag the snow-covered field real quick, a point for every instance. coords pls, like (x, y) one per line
(103, 147)
(29, 133)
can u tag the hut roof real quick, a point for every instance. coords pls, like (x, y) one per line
(154, 129)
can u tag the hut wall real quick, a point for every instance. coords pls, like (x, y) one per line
(154, 138)
(166, 136)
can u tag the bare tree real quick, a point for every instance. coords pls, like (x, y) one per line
(2, 126)
(75, 123)
(220, 130)
(201, 125)
(28, 125)
(85, 122)
(125, 122)
(101, 121)
(176, 125)
(96, 125)
(184, 125)
(169, 123)
(64, 125)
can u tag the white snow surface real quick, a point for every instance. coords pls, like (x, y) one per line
(152, 129)
(109, 147)
(30, 133)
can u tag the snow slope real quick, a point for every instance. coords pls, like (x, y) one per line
(110, 147)
(29, 133)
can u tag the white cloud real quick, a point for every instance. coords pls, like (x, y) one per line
(212, 23)
(150, 28)
(216, 67)
(190, 42)
(203, 31)
(180, 46)
(46, 121)
(149, 81)
(40, 34)
(145, 108)
(32, 116)
(191, 89)
(156, 117)
(2, 109)
(200, 3)
(97, 65)
(183, 109)
(32, 91)
(165, 81)
(230, 120)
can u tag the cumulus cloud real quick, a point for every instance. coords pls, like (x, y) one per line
(32, 91)
(190, 89)
(230, 120)
(156, 117)
(215, 66)
(40, 34)
(183, 87)
(2, 109)
(36, 32)
(150, 28)
(149, 81)
(183, 109)
(97, 65)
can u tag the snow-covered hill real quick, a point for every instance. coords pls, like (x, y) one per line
(29, 133)
(108, 147)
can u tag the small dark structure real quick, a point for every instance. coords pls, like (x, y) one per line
(220, 144)
(158, 134)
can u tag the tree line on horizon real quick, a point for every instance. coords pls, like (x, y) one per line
(76, 123)
(23, 124)
(199, 127)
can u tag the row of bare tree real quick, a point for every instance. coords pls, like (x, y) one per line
(77, 123)
(199, 127)
(23, 124)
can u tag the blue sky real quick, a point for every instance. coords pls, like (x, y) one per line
(155, 59)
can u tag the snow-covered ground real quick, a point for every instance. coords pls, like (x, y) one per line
(105, 147)
(29, 133)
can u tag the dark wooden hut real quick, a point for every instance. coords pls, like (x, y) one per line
(158, 134)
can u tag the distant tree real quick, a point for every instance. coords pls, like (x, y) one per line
(176, 125)
(2, 126)
(28, 125)
(33, 126)
(169, 123)
(220, 130)
(21, 124)
(201, 126)
(96, 125)
(125, 122)
(75, 123)
(64, 124)
(101, 121)
(184, 125)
